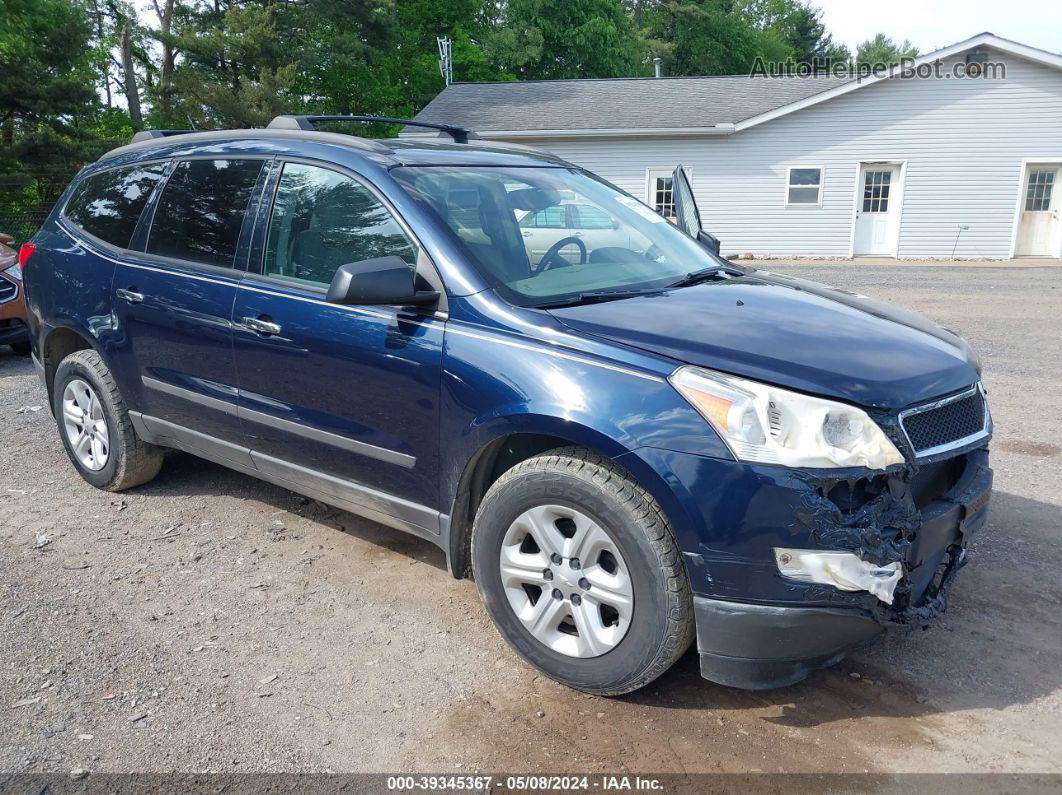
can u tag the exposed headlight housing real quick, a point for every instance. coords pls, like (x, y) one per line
(768, 425)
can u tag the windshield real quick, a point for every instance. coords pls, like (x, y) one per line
(546, 235)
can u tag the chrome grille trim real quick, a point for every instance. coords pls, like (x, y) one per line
(983, 433)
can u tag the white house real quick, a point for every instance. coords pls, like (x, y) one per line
(925, 166)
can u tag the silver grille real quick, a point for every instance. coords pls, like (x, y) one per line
(947, 424)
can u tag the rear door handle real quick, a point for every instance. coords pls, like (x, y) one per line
(260, 326)
(130, 295)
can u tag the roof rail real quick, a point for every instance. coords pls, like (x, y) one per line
(149, 135)
(459, 134)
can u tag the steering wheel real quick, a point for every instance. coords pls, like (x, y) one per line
(546, 262)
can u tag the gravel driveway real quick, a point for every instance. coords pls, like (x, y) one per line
(211, 622)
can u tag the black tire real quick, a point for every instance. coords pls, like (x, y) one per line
(662, 625)
(130, 460)
(21, 348)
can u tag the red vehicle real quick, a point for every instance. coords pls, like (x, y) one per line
(13, 329)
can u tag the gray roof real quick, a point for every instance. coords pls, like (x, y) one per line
(618, 104)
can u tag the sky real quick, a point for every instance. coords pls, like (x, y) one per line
(932, 24)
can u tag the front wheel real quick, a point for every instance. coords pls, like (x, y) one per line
(579, 570)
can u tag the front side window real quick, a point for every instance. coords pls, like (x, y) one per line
(322, 219)
(804, 186)
(201, 210)
(107, 205)
(614, 243)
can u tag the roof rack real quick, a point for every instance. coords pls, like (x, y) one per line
(149, 135)
(459, 134)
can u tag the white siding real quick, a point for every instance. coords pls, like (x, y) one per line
(963, 140)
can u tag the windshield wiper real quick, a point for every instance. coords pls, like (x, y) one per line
(597, 297)
(706, 274)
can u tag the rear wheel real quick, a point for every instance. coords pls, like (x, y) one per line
(95, 428)
(580, 572)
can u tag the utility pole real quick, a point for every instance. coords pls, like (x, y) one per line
(446, 61)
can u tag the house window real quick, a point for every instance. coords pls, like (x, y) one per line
(661, 193)
(876, 186)
(1038, 192)
(803, 186)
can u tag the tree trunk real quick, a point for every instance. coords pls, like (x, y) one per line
(132, 93)
(100, 36)
(165, 15)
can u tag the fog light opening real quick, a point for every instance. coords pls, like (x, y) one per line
(845, 571)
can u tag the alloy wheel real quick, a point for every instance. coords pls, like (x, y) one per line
(85, 425)
(566, 581)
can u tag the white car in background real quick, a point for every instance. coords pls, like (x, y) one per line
(586, 223)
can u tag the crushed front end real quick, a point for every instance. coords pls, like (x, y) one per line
(764, 621)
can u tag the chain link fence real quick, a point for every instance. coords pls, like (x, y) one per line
(26, 200)
(23, 226)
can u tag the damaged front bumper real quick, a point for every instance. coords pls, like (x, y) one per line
(759, 629)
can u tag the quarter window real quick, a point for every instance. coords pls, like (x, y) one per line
(321, 220)
(108, 205)
(804, 186)
(201, 211)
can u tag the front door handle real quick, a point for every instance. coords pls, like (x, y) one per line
(131, 296)
(260, 326)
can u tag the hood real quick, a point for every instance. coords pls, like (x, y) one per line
(792, 333)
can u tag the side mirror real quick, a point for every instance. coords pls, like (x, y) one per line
(381, 280)
(709, 241)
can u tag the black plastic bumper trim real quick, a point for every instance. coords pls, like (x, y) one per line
(762, 646)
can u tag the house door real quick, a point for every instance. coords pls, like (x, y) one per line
(877, 225)
(1038, 228)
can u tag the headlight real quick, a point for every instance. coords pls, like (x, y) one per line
(768, 425)
(15, 272)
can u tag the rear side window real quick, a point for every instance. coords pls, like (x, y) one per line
(108, 205)
(200, 212)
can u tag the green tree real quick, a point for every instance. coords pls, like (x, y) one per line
(47, 93)
(797, 27)
(238, 64)
(702, 37)
(883, 50)
(542, 39)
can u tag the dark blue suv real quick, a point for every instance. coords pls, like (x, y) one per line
(628, 441)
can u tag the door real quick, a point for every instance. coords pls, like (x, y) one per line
(340, 401)
(687, 214)
(1038, 227)
(174, 300)
(877, 224)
